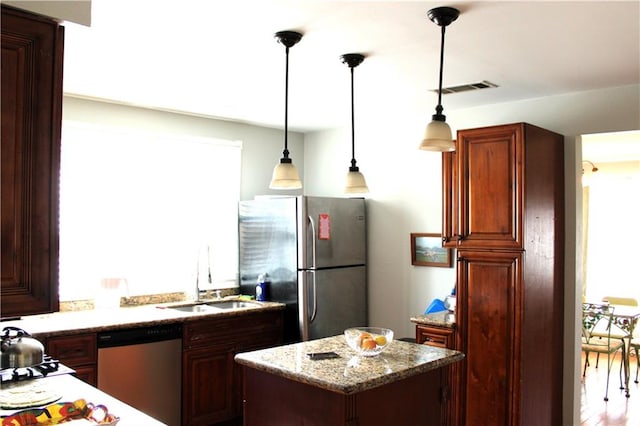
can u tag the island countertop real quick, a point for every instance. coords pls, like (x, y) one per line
(349, 373)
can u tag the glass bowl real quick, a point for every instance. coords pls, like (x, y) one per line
(368, 341)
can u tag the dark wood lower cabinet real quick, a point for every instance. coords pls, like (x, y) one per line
(443, 337)
(272, 400)
(209, 391)
(490, 301)
(211, 380)
(79, 352)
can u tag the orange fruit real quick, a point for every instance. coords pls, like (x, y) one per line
(381, 340)
(368, 344)
(364, 335)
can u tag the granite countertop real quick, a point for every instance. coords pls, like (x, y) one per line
(76, 322)
(349, 373)
(439, 319)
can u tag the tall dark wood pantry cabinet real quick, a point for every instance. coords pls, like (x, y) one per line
(504, 213)
(32, 56)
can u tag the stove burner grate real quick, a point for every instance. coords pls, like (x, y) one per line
(49, 365)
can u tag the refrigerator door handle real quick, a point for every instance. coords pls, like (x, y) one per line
(313, 242)
(303, 313)
(314, 310)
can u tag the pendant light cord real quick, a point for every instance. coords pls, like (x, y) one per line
(285, 153)
(353, 132)
(439, 106)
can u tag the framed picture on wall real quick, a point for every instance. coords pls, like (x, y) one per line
(427, 250)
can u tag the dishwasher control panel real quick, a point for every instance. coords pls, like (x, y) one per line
(138, 335)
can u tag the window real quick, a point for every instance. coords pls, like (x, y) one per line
(610, 215)
(151, 208)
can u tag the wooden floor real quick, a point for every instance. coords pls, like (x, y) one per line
(619, 410)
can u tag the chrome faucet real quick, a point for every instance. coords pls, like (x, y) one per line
(197, 294)
(197, 297)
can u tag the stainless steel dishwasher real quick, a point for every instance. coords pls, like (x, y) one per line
(142, 367)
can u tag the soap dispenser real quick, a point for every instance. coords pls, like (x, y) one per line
(262, 287)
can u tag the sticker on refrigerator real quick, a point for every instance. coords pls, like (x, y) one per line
(324, 227)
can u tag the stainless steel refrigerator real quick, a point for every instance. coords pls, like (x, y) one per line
(314, 252)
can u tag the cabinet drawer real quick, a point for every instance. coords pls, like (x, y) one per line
(74, 350)
(441, 337)
(88, 374)
(434, 340)
(232, 329)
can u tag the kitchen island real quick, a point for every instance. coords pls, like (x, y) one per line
(282, 385)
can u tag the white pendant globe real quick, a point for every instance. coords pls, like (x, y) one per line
(437, 137)
(285, 176)
(356, 184)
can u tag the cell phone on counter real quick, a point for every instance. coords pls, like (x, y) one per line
(322, 355)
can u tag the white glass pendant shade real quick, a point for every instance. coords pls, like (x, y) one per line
(437, 137)
(356, 184)
(285, 176)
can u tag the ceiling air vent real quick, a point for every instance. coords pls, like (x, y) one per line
(467, 87)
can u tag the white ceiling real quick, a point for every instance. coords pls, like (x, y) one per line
(220, 59)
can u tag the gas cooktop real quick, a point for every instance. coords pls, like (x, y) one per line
(49, 366)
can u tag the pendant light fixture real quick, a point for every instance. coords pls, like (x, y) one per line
(285, 174)
(355, 180)
(438, 136)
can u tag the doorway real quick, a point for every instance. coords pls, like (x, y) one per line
(610, 206)
(610, 188)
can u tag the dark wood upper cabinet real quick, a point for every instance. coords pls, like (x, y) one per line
(32, 57)
(490, 184)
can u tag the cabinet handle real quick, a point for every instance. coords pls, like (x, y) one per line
(445, 393)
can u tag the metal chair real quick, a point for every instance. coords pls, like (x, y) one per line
(595, 316)
(635, 345)
(616, 332)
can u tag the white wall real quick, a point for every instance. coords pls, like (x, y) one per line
(406, 197)
(261, 146)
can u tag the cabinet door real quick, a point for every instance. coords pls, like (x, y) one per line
(207, 383)
(490, 175)
(489, 322)
(31, 122)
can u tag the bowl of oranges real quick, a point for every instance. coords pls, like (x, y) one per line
(368, 341)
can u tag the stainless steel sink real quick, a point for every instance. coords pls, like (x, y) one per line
(194, 308)
(214, 306)
(232, 305)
